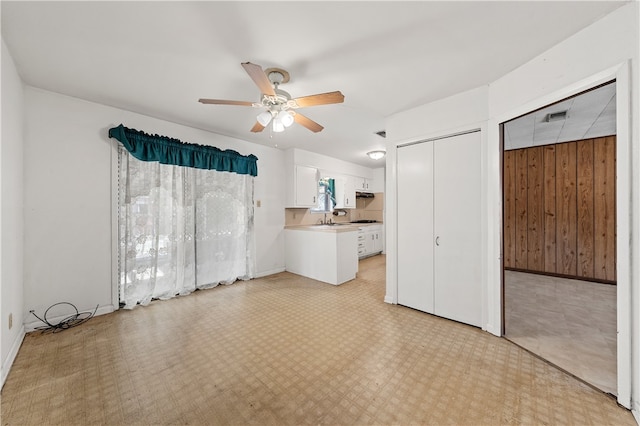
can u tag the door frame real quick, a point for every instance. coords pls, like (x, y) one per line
(626, 242)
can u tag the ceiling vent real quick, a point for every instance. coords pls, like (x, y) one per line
(556, 116)
(382, 133)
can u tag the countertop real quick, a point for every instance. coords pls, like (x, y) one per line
(342, 227)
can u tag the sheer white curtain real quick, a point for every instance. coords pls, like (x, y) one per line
(181, 229)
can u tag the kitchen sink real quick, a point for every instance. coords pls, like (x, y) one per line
(330, 225)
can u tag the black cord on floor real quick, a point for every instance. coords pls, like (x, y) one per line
(68, 322)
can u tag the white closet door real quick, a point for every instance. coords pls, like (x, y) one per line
(457, 228)
(415, 226)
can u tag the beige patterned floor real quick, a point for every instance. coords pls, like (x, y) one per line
(570, 323)
(289, 350)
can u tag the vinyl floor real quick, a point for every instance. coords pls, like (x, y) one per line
(286, 350)
(570, 323)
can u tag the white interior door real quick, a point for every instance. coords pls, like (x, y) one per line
(457, 234)
(415, 226)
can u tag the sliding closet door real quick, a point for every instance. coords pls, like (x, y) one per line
(415, 226)
(457, 228)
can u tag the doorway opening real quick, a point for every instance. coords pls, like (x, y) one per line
(559, 234)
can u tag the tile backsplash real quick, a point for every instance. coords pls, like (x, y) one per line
(366, 208)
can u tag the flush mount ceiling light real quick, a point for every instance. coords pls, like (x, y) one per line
(376, 155)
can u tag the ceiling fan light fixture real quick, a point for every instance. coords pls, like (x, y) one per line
(278, 126)
(286, 118)
(376, 155)
(264, 118)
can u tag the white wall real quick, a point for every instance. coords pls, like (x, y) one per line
(377, 184)
(589, 56)
(327, 164)
(11, 212)
(607, 49)
(462, 112)
(68, 190)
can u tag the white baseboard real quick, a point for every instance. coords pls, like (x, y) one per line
(11, 357)
(636, 415)
(389, 299)
(496, 331)
(33, 325)
(271, 272)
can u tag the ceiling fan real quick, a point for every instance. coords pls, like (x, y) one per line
(278, 105)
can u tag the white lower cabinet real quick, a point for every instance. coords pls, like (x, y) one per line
(362, 249)
(324, 255)
(439, 228)
(377, 241)
(370, 240)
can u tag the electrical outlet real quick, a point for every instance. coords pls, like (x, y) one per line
(10, 321)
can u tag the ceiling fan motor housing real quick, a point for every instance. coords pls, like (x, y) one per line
(280, 102)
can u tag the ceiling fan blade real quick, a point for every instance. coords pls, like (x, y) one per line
(320, 99)
(257, 127)
(259, 78)
(224, 102)
(307, 122)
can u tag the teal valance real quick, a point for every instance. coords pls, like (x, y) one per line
(167, 150)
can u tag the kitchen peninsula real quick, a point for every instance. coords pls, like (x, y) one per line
(327, 253)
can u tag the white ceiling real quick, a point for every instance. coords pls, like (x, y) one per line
(589, 115)
(159, 58)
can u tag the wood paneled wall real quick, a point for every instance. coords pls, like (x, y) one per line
(559, 209)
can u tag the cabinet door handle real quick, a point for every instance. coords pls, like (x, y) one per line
(438, 240)
(314, 198)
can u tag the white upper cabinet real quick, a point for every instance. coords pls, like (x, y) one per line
(349, 193)
(304, 170)
(363, 184)
(305, 187)
(340, 187)
(345, 190)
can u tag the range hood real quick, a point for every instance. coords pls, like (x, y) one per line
(364, 194)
